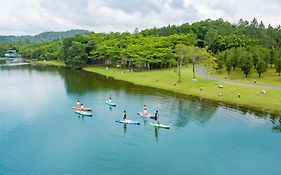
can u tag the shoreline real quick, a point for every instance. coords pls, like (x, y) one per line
(4, 59)
(166, 80)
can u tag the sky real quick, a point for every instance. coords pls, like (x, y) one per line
(29, 17)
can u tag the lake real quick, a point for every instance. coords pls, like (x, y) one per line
(41, 134)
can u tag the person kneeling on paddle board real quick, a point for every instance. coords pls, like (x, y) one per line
(124, 116)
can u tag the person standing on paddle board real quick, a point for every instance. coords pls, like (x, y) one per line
(156, 115)
(144, 110)
(81, 107)
(110, 98)
(124, 116)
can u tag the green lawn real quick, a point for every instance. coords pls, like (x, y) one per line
(270, 77)
(1, 59)
(165, 79)
(51, 62)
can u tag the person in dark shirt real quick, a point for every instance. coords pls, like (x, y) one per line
(124, 116)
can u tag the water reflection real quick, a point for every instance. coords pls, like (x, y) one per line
(193, 110)
(144, 121)
(276, 124)
(124, 129)
(81, 117)
(156, 133)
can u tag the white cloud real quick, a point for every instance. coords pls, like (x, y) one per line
(35, 16)
(233, 10)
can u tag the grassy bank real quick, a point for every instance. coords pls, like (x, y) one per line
(251, 97)
(50, 63)
(2, 59)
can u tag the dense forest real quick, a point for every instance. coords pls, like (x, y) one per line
(245, 45)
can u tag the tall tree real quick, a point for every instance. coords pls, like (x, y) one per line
(76, 55)
(277, 64)
(261, 67)
(228, 60)
(274, 53)
(201, 56)
(247, 64)
(181, 52)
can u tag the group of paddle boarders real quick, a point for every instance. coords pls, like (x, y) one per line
(80, 107)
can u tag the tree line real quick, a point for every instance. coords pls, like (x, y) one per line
(245, 45)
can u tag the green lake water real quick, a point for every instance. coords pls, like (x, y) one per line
(41, 134)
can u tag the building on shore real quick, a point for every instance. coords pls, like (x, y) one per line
(11, 54)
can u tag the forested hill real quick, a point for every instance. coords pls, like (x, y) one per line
(42, 37)
(220, 35)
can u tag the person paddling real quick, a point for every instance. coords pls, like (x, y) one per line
(110, 98)
(156, 115)
(144, 110)
(124, 116)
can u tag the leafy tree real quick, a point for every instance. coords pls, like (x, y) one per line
(76, 55)
(278, 65)
(261, 67)
(274, 53)
(220, 60)
(210, 40)
(197, 55)
(181, 52)
(247, 64)
(228, 64)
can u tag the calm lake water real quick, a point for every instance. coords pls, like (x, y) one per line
(41, 134)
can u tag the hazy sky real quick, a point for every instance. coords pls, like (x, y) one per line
(21, 17)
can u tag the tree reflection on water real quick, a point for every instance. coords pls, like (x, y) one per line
(194, 110)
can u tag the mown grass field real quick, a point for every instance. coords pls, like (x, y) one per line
(270, 77)
(251, 97)
(51, 62)
(1, 58)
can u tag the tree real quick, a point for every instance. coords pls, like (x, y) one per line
(220, 60)
(76, 55)
(274, 53)
(255, 53)
(197, 55)
(210, 40)
(232, 58)
(228, 65)
(261, 67)
(278, 65)
(181, 52)
(247, 64)
(261, 25)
